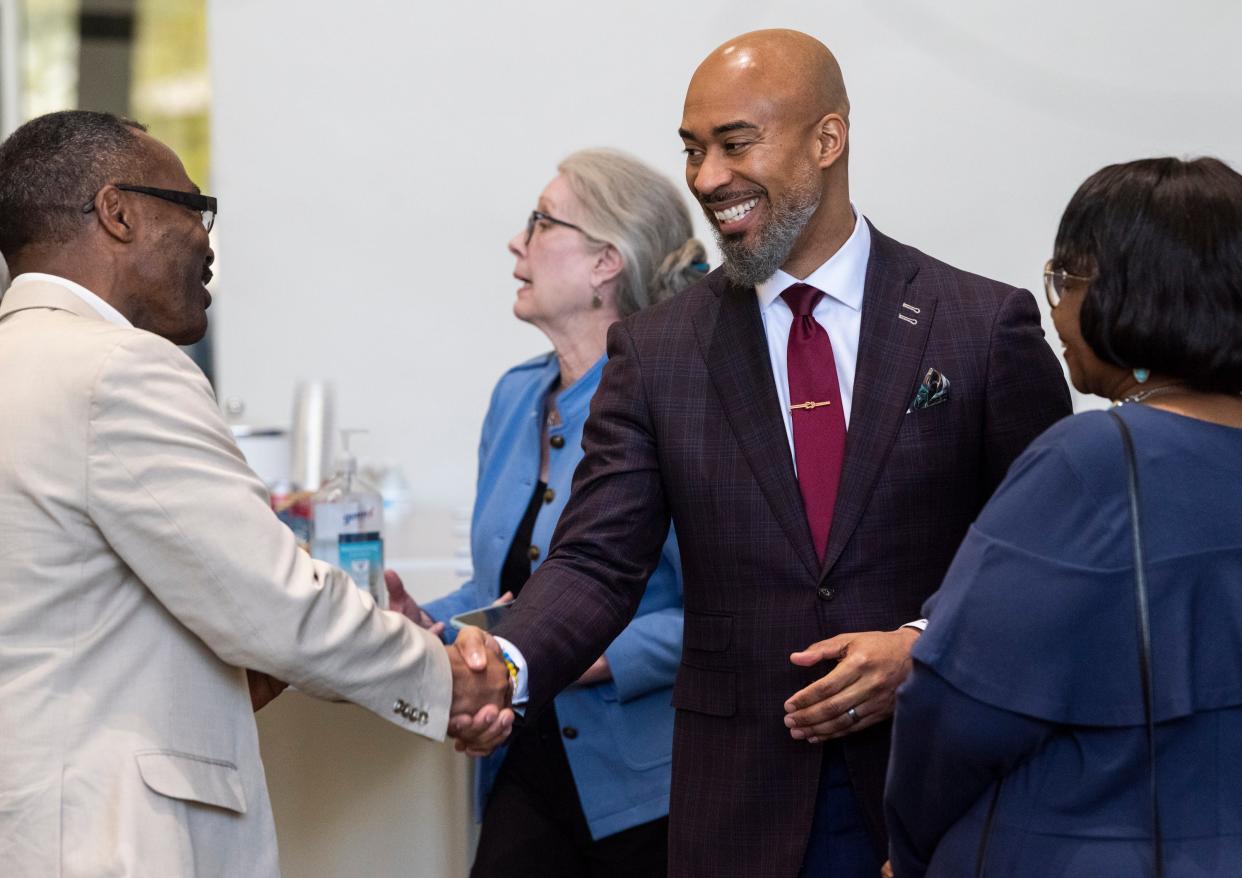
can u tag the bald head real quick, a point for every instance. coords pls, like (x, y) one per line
(766, 130)
(791, 68)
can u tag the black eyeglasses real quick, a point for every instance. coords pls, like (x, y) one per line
(1055, 280)
(539, 216)
(204, 204)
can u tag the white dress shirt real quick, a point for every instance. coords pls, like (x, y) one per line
(839, 312)
(106, 311)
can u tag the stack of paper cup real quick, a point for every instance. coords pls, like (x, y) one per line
(311, 445)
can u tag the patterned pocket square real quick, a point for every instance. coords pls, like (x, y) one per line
(933, 391)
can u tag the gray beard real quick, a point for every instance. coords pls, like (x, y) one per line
(748, 267)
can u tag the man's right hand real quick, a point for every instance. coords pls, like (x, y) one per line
(480, 716)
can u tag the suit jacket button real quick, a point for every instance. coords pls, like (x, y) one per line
(826, 593)
(549, 495)
(569, 732)
(533, 552)
(557, 441)
(398, 706)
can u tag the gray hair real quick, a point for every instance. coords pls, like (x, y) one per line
(53, 165)
(641, 213)
(750, 266)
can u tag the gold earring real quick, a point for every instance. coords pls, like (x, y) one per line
(596, 301)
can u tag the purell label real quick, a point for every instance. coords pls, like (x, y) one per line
(347, 516)
(362, 557)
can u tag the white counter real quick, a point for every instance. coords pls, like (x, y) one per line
(355, 795)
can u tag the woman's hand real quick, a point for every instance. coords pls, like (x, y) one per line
(399, 601)
(600, 672)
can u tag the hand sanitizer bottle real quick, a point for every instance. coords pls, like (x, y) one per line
(348, 525)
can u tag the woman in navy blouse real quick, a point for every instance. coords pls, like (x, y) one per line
(1027, 678)
(583, 789)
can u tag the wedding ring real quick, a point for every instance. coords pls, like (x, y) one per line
(853, 714)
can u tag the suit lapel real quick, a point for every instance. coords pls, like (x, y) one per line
(735, 349)
(890, 350)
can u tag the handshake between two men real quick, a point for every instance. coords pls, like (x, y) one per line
(481, 713)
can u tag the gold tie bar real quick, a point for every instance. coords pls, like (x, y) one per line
(809, 405)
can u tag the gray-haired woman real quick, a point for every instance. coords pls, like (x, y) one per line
(582, 790)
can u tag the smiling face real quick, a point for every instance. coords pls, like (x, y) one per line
(555, 266)
(171, 266)
(763, 150)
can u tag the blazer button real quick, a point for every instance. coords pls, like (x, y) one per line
(533, 552)
(398, 705)
(826, 593)
(569, 732)
(557, 441)
(549, 495)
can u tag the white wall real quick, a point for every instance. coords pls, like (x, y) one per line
(372, 158)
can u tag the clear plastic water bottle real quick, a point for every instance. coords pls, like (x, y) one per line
(347, 527)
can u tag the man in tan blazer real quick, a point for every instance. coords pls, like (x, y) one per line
(141, 570)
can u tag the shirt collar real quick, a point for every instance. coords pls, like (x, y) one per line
(842, 277)
(106, 311)
(574, 400)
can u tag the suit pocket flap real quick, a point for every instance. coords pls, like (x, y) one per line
(705, 690)
(193, 778)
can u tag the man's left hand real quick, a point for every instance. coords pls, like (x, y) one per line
(263, 688)
(870, 667)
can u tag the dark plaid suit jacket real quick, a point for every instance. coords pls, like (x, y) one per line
(686, 425)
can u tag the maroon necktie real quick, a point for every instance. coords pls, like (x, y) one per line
(815, 404)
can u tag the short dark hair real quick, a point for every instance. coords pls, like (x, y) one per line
(1162, 238)
(53, 165)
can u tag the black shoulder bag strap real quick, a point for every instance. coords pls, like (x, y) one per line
(1144, 636)
(1144, 640)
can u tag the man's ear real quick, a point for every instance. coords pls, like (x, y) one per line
(113, 214)
(834, 134)
(608, 265)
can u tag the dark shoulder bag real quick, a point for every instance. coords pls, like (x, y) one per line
(1144, 639)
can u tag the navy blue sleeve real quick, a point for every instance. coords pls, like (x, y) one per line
(948, 750)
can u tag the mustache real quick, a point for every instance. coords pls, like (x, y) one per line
(733, 195)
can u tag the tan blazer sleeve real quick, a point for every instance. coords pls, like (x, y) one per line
(172, 494)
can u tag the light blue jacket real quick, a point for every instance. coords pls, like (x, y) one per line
(621, 756)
